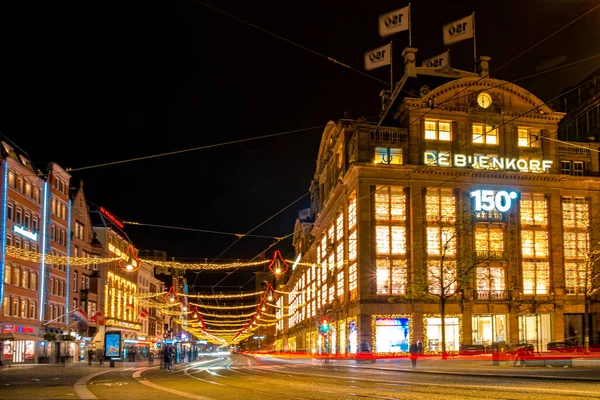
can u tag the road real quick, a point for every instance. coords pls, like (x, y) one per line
(238, 377)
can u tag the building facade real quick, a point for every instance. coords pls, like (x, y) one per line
(453, 208)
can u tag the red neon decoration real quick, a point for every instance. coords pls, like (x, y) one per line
(173, 293)
(130, 253)
(278, 258)
(112, 218)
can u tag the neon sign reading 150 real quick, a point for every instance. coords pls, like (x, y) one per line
(486, 200)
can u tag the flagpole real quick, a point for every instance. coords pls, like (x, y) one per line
(474, 43)
(409, 27)
(391, 69)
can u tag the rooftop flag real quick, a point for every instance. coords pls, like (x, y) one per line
(394, 21)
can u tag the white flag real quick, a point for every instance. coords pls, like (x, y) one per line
(438, 61)
(378, 57)
(394, 21)
(459, 30)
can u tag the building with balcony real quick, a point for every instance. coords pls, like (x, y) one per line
(454, 207)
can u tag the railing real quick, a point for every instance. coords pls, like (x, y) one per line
(564, 149)
(388, 134)
(490, 254)
(492, 295)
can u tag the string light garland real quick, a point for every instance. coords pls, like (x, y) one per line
(34, 256)
(223, 307)
(204, 266)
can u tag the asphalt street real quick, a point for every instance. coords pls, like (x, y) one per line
(242, 377)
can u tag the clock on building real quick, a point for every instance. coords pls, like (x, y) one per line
(484, 100)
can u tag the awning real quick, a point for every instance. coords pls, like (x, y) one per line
(19, 336)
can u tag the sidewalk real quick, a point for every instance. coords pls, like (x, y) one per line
(583, 368)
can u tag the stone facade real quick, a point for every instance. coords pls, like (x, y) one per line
(432, 138)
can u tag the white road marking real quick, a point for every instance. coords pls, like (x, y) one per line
(137, 375)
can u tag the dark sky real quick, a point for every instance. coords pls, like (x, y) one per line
(85, 83)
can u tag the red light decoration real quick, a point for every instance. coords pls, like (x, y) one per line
(171, 295)
(130, 254)
(278, 266)
(111, 217)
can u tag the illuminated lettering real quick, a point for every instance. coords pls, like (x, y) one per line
(487, 200)
(25, 232)
(460, 160)
(111, 217)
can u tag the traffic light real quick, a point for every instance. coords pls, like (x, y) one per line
(324, 325)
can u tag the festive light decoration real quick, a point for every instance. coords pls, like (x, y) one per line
(223, 307)
(171, 295)
(447, 316)
(131, 262)
(34, 256)
(204, 266)
(278, 266)
(375, 317)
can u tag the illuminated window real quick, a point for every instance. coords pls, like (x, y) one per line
(352, 211)
(485, 134)
(391, 276)
(534, 209)
(576, 245)
(441, 275)
(577, 278)
(490, 278)
(440, 205)
(489, 241)
(352, 246)
(441, 241)
(437, 130)
(534, 244)
(574, 168)
(352, 279)
(528, 137)
(536, 277)
(340, 285)
(386, 155)
(575, 212)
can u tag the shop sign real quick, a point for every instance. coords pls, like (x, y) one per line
(111, 217)
(25, 232)
(487, 200)
(123, 324)
(486, 162)
(17, 328)
(390, 321)
(141, 338)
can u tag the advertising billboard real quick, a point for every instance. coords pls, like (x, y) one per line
(112, 344)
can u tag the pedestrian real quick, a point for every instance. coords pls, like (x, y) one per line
(167, 358)
(520, 357)
(101, 358)
(420, 345)
(90, 356)
(414, 353)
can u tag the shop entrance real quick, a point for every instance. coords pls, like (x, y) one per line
(535, 330)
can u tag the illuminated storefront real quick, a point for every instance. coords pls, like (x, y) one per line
(392, 334)
(487, 329)
(433, 333)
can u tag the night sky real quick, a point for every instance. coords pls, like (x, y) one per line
(87, 83)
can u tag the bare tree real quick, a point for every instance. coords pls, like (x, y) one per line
(452, 270)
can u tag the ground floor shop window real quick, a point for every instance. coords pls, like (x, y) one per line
(352, 336)
(392, 333)
(292, 343)
(535, 330)
(488, 329)
(342, 335)
(432, 325)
